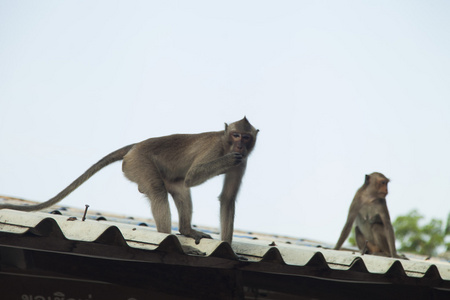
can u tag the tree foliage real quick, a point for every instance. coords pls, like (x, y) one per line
(419, 239)
(416, 238)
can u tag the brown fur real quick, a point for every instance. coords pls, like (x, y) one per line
(171, 165)
(373, 231)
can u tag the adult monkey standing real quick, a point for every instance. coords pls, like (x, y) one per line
(373, 231)
(175, 163)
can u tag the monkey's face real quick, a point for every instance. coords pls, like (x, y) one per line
(382, 187)
(240, 142)
(241, 136)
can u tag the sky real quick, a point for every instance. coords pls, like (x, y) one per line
(338, 89)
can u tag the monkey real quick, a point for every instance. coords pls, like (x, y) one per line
(373, 230)
(172, 165)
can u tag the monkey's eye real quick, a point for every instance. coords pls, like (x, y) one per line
(236, 135)
(246, 137)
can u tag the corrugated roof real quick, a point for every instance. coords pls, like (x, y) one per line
(254, 247)
(132, 239)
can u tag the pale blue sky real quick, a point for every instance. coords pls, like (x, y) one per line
(338, 89)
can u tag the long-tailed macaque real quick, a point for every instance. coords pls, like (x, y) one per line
(373, 230)
(172, 165)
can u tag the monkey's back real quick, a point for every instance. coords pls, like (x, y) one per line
(174, 154)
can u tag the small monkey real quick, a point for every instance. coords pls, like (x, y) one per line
(172, 165)
(373, 231)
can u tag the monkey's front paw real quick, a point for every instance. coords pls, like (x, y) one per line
(235, 158)
(196, 235)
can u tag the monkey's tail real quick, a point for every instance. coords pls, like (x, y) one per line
(108, 159)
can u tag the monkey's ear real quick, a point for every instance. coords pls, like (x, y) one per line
(367, 180)
(226, 127)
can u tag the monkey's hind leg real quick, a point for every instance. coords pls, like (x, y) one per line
(368, 244)
(150, 183)
(159, 203)
(361, 241)
(381, 242)
(182, 197)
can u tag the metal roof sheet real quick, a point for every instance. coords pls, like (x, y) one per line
(254, 250)
(116, 237)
